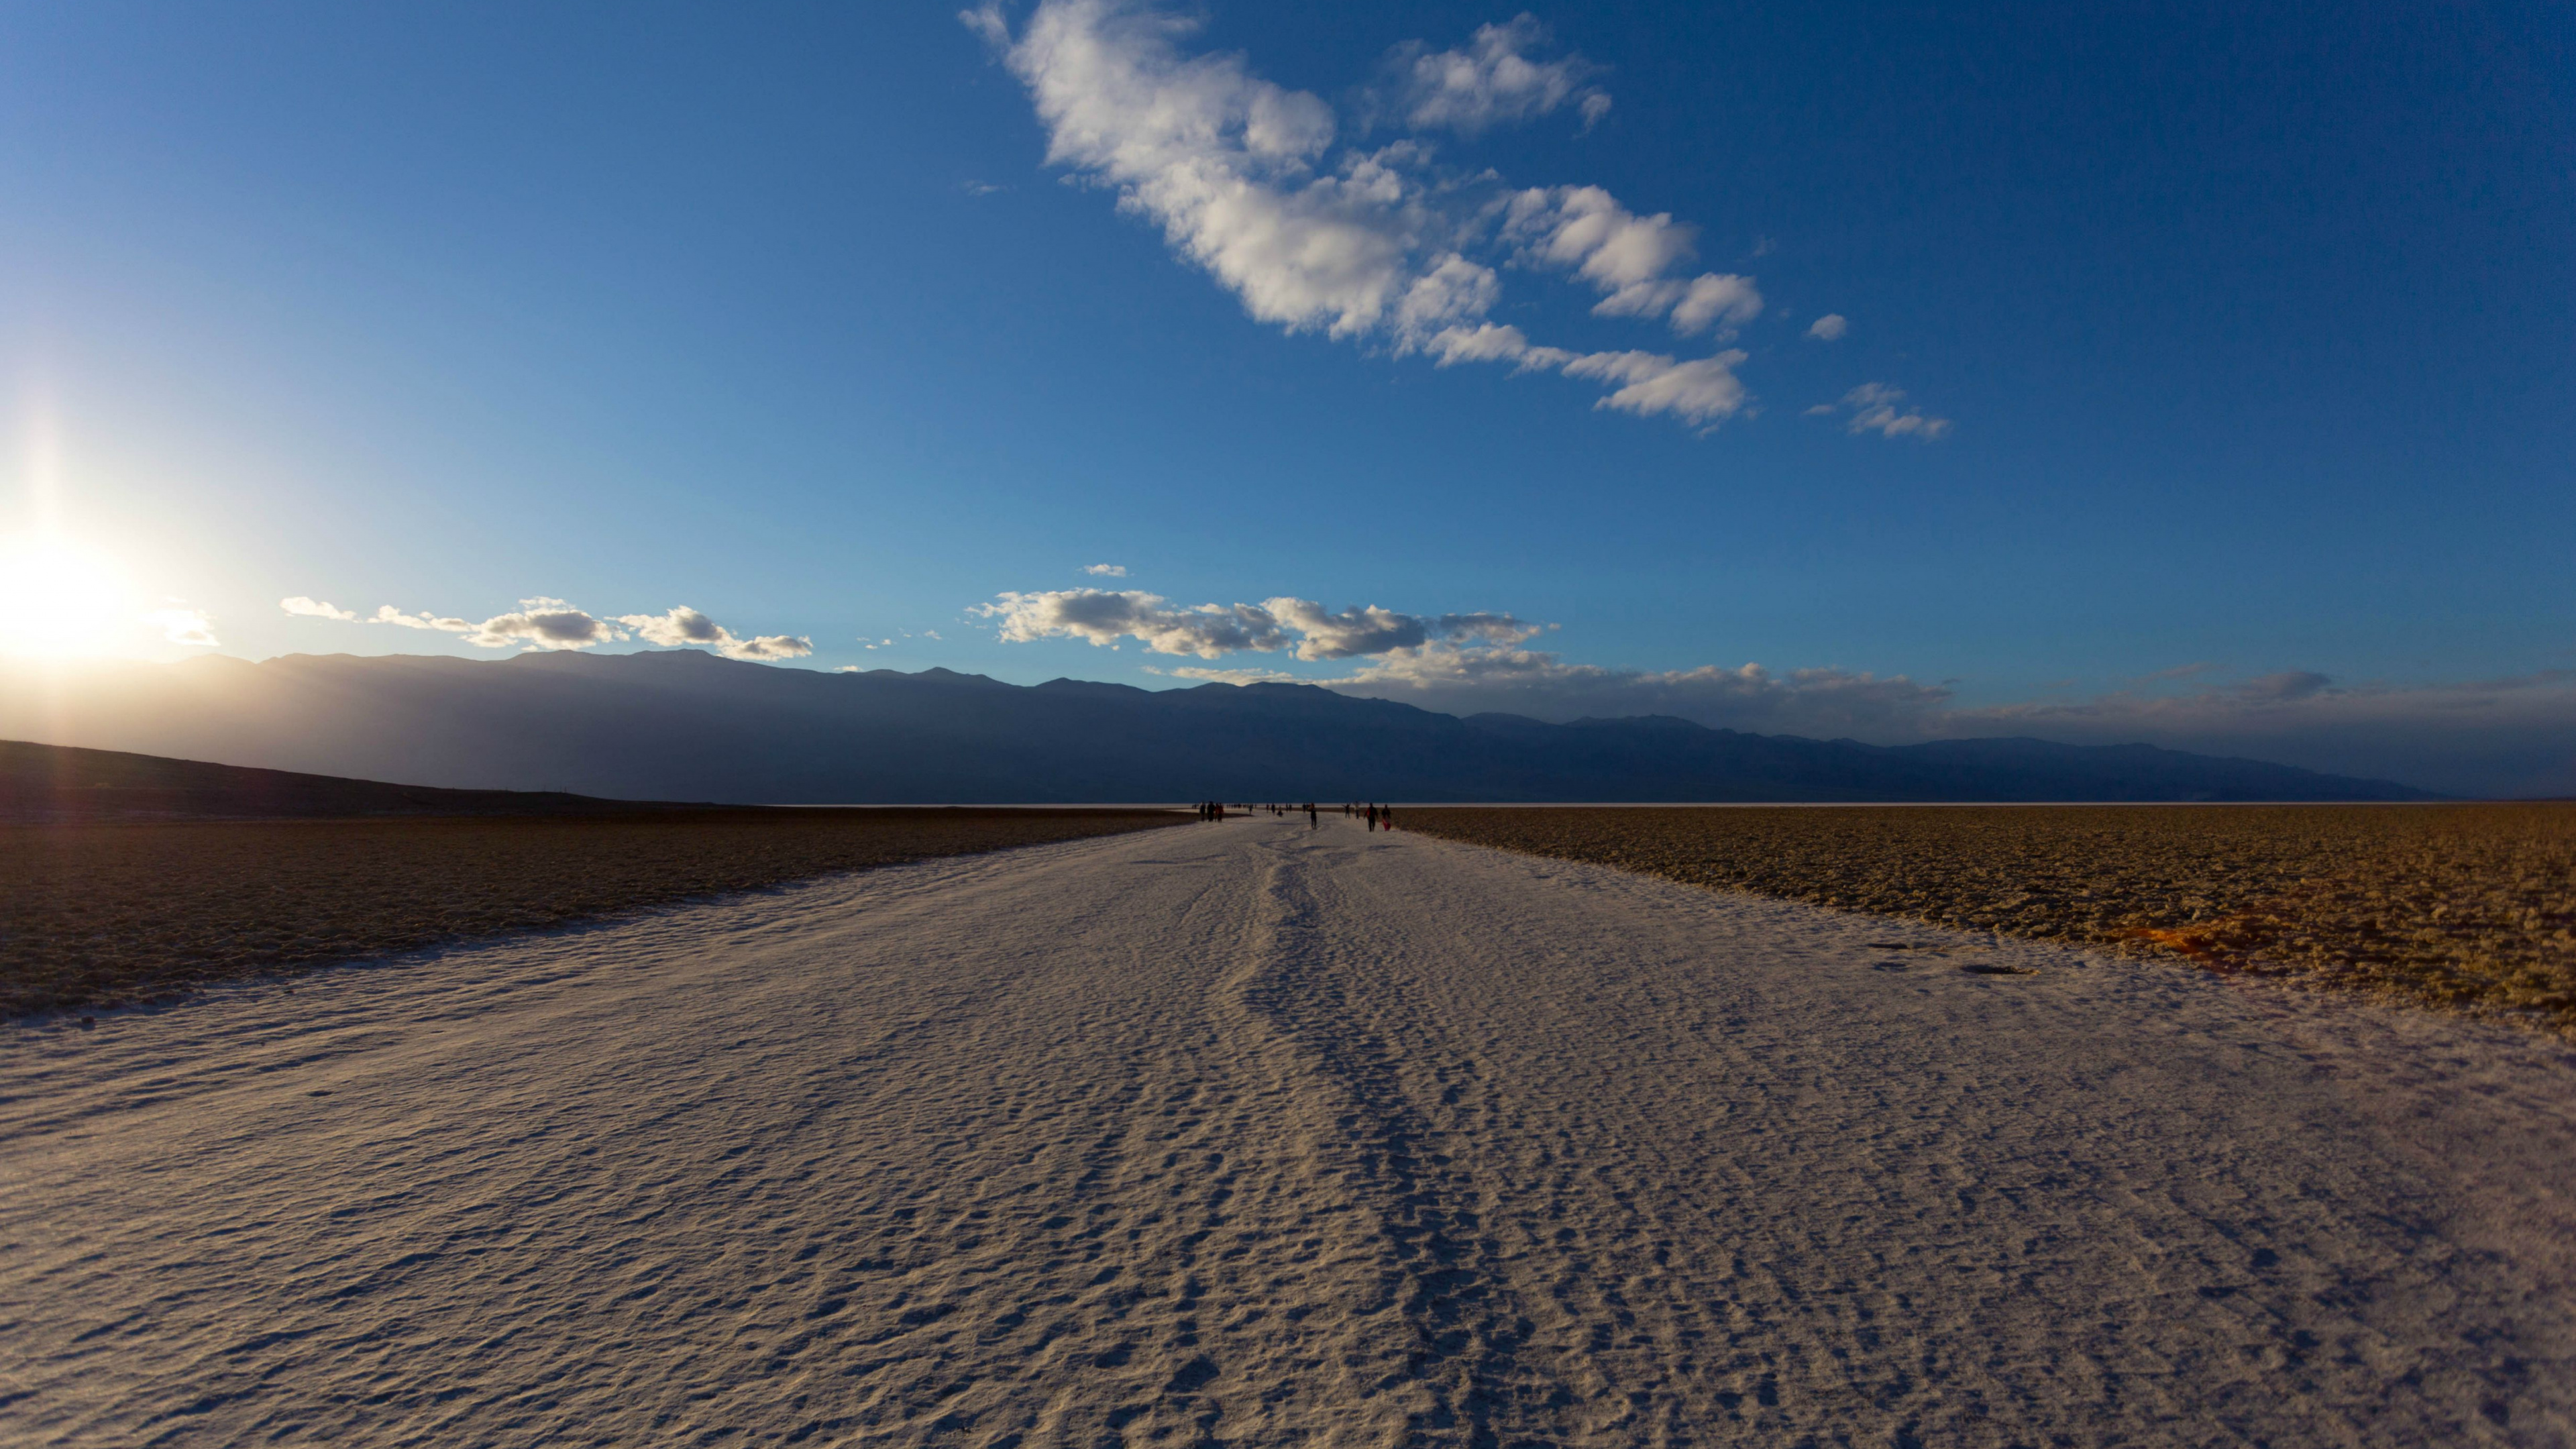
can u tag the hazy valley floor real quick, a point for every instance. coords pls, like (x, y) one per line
(1245, 1134)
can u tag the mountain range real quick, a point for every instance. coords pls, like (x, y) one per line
(686, 725)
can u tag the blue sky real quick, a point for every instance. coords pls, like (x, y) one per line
(2238, 341)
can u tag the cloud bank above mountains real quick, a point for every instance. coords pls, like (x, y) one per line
(1379, 244)
(2506, 735)
(1457, 663)
(2513, 735)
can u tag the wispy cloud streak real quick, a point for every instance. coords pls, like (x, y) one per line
(1371, 244)
(544, 622)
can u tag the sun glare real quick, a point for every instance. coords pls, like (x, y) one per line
(59, 600)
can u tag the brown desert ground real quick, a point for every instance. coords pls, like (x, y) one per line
(98, 915)
(2463, 907)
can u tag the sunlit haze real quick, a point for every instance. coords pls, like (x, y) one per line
(61, 600)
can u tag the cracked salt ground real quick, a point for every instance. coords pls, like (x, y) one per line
(1244, 1134)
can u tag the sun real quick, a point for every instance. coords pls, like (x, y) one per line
(57, 599)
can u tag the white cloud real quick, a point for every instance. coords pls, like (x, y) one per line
(1242, 177)
(1491, 82)
(1628, 257)
(1486, 342)
(686, 626)
(1724, 299)
(1875, 408)
(184, 626)
(550, 623)
(1104, 617)
(682, 625)
(769, 646)
(388, 614)
(1702, 390)
(1829, 328)
(540, 623)
(1586, 230)
(1454, 291)
(1107, 571)
(1362, 630)
(1230, 165)
(1699, 390)
(986, 20)
(1224, 676)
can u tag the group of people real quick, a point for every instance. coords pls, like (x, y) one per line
(1379, 817)
(1215, 810)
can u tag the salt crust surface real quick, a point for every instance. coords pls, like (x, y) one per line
(1249, 1134)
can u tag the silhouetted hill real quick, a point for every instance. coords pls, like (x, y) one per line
(688, 725)
(61, 784)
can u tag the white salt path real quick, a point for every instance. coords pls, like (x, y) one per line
(1241, 1134)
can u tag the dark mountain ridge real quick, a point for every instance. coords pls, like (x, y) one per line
(64, 784)
(687, 725)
